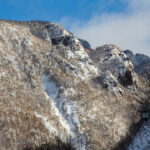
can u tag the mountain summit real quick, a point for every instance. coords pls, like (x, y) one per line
(58, 93)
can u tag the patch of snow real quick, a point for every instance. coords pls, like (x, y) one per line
(50, 86)
(70, 54)
(65, 33)
(47, 123)
(87, 69)
(2, 74)
(29, 41)
(67, 110)
(11, 28)
(142, 139)
(81, 54)
(94, 69)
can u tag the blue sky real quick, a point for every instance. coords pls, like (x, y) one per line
(125, 23)
(55, 10)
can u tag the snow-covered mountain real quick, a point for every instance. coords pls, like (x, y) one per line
(58, 93)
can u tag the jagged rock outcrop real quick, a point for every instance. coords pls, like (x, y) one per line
(54, 88)
(141, 63)
(115, 68)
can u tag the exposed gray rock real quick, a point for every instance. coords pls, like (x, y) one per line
(114, 66)
(85, 43)
(107, 80)
(141, 63)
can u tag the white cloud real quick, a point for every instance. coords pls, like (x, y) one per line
(129, 30)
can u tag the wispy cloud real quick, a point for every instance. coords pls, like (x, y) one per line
(128, 30)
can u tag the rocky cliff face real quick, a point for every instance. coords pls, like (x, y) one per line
(54, 86)
(141, 63)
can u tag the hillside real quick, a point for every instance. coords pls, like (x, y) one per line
(56, 89)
